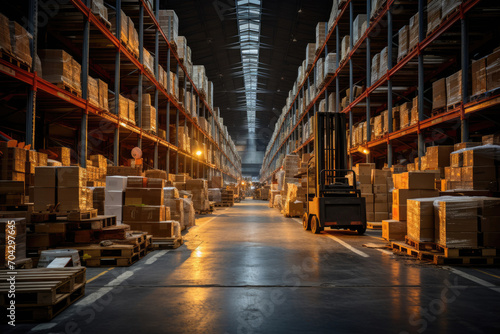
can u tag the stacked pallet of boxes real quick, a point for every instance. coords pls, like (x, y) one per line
(485, 73)
(455, 222)
(114, 196)
(382, 201)
(169, 23)
(407, 186)
(474, 168)
(145, 209)
(148, 114)
(294, 206)
(20, 43)
(61, 69)
(199, 190)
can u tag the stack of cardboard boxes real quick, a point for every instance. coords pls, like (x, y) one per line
(473, 169)
(455, 222)
(60, 68)
(169, 23)
(485, 73)
(63, 185)
(148, 114)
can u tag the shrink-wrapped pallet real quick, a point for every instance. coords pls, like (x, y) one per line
(169, 23)
(439, 94)
(333, 14)
(20, 42)
(5, 43)
(433, 15)
(310, 55)
(93, 91)
(320, 34)
(457, 222)
(346, 47)
(449, 6)
(413, 32)
(330, 64)
(57, 67)
(358, 26)
(478, 70)
(103, 94)
(375, 68)
(454, 89)
(493, 71)
(403, 38)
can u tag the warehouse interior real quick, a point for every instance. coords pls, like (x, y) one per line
(250, 166)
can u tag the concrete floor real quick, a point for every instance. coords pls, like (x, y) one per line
(247, 269)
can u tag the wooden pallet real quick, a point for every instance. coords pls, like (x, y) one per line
(438, 111)
(82, 215)
(440, 258)
(49, 312)
(113, 261)
(203, 212)
(485, 95)
(102, 19)
(135, 238)
(374, 226)
(96, 223)
(72, 90)
(167, 243)
(420, 245)
(467, 252)
(453, 106)
(223, 204)
(149, 243)
(14, 60)
(42, 286)
(377, 13)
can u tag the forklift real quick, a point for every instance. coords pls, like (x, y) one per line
(331, 200)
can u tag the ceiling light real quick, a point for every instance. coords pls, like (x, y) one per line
(300, 10)
(294, 40)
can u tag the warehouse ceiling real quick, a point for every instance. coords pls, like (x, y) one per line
(216, 39)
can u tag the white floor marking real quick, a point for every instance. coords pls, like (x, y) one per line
(385, 251)
(474, 279)
(349, 247)
(42, 327)
(155, 257)
(343, 243)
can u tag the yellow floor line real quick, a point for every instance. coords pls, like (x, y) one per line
(97, 276)
(484, 272)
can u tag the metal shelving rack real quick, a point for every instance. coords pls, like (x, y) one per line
(383, 94)
(85, 36)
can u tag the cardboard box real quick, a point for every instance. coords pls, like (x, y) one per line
(380, 216)
(379, 176)
(401, 196)
(45, 177)
(73, 177)
(114, 210)
(438, 156)
(116, 183)
(454, 89)
(163, 229)
(365, 188)
(479, 157)
(44, 197)
(490, 224)
(478, 70)
(403, 37)
(489, 206)
(72, 198)
(399, 212)
(417, 180)
(393, 230)
(478, 174)
(113, 198)
(136, 182)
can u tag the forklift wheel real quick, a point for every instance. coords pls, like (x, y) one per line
(306, 223)
(361, 230)
(315, 228)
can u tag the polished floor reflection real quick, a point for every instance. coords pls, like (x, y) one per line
(247, 269)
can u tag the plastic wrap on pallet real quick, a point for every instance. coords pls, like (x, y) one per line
(123, 26)
(403, 37)
(439, 94)
(346, 47)
(278, 202)
(378, 126)
(280, 176)
(5, 43)
(57, 66)
(148, 118)
(310, 55)
(103, 94)
(320, 34)
(20, 42)
(384, 65)
(333, 14)
(413, 38)
(98, 8)
(375, 68)
(330, 64)
(131, 111)
(420, 219)
(189, 212)
(93, 91)
(404, 114)
(169, 23)
(199, 75)
(454, 89)
(182, 49)
(214, 195)
(493, 71)
(174, 89)
(478, 70)
(332, 104)
(458, 225)
(433, 15)
(76, 70)
(359, 24)
(148, 60)
(448, 6)
(319, 68)
(376, 5)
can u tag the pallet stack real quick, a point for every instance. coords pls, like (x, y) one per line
(41, 294)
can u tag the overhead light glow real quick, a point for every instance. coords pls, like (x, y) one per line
(248, 15)
(198, 153)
